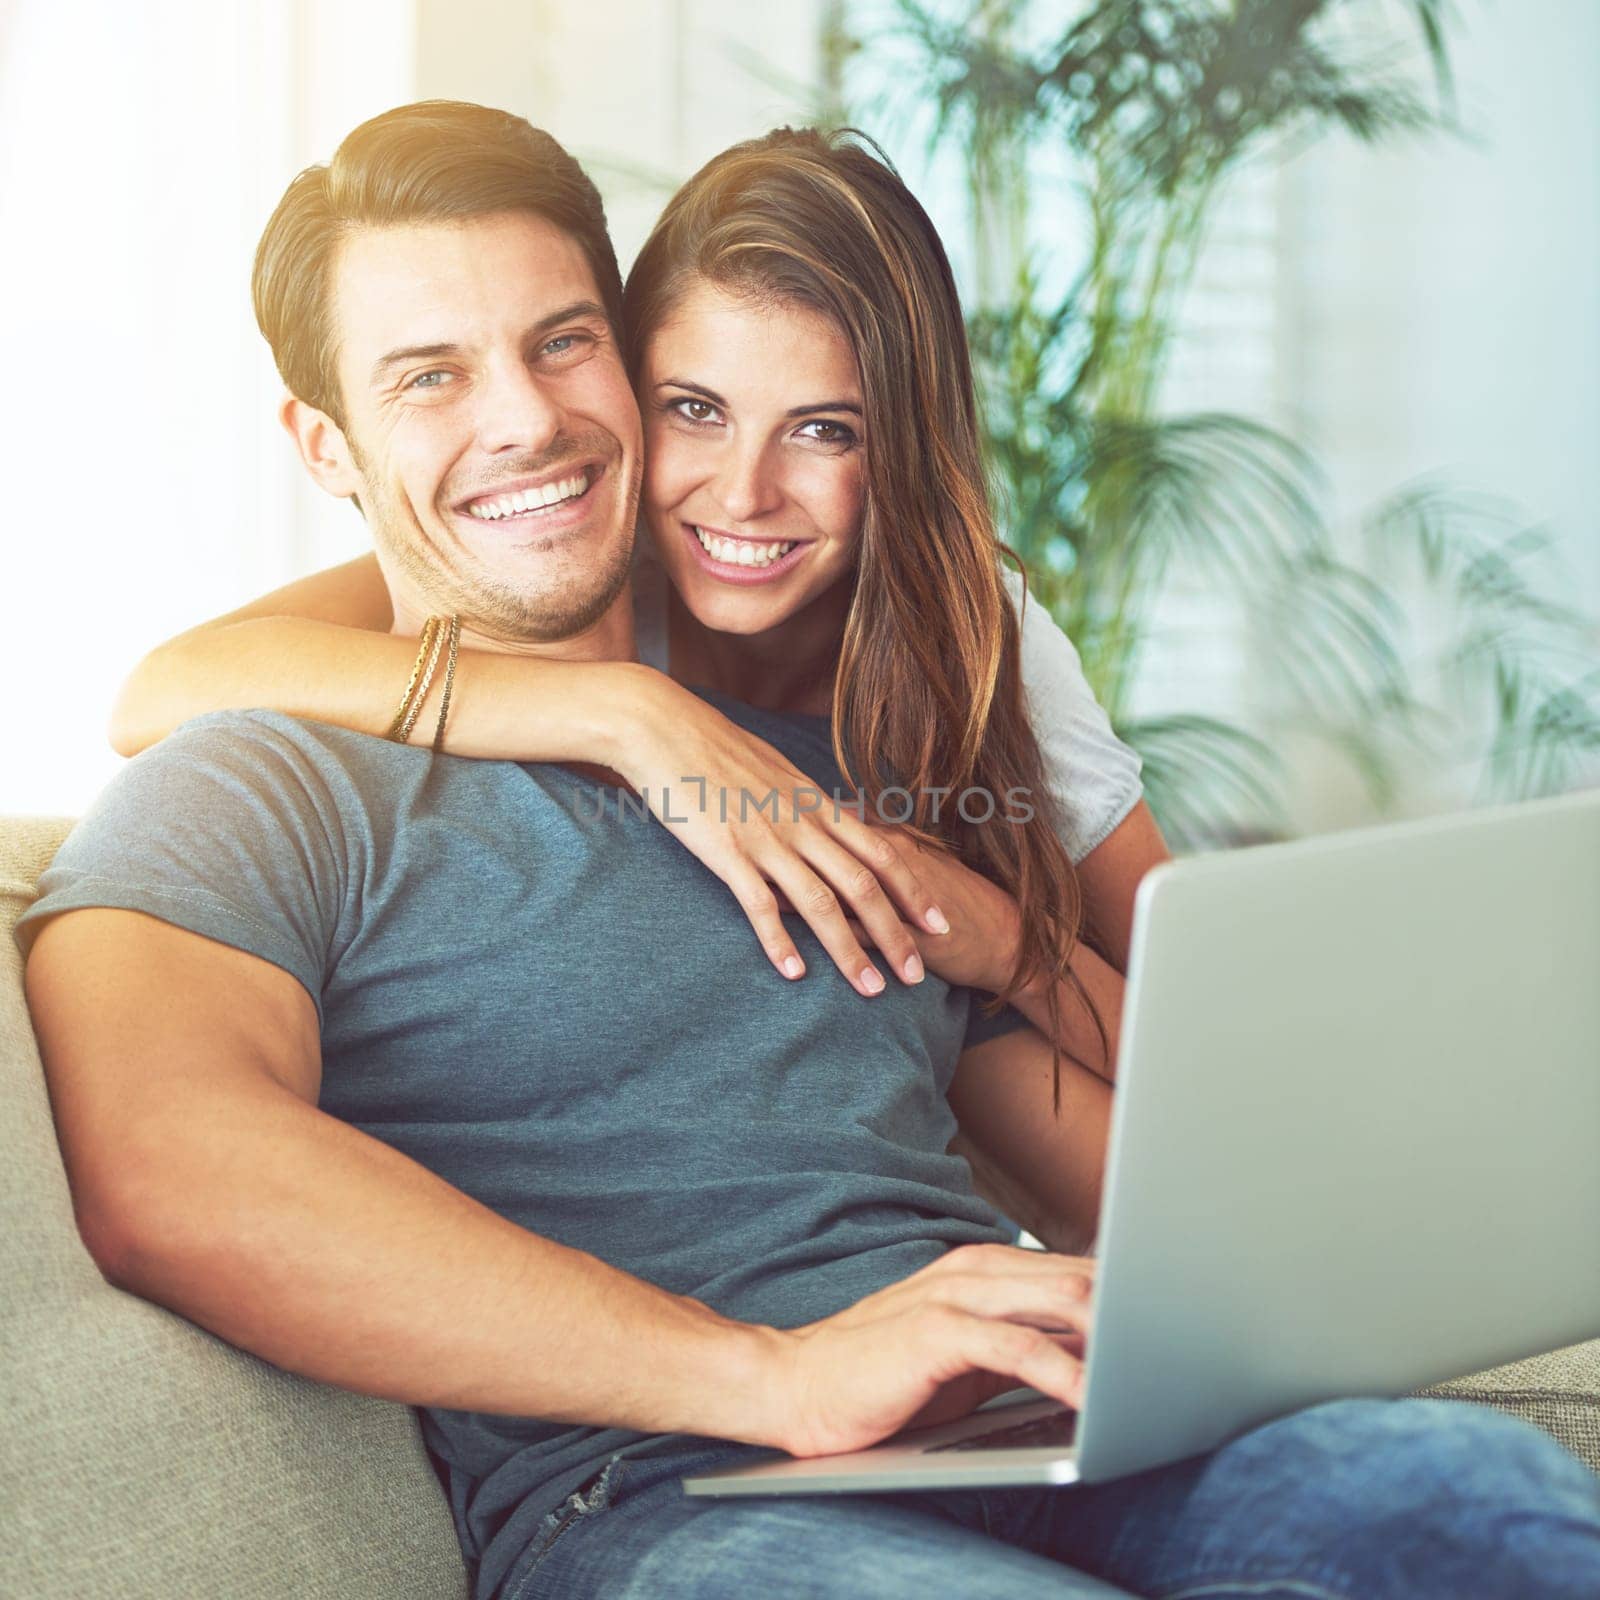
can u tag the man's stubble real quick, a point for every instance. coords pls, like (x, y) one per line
(487, 604)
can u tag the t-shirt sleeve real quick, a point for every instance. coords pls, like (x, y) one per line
(223, 830)
(1092, 776)
(981, 1029)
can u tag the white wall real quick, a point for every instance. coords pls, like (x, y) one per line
(641, 93)
(1439, 314)
(1448, 312)
(1427, 309)
(146, 484)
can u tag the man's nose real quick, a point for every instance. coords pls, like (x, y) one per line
(516, 411)
(747, 484)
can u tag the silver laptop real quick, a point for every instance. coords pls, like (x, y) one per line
(1355, 1148)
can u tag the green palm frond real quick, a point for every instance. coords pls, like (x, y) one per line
(1512, 653)
(1202, 774)
(1168, 91)
(1332, 635)
(1553, 744)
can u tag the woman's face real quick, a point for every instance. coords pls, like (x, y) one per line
(754, 456)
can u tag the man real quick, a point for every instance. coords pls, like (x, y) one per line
(421, 1077)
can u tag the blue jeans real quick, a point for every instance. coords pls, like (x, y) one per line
(1353, 1500)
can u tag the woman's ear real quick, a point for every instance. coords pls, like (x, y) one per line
(322, 446)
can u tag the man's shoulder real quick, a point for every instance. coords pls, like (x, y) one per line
(260, 773)
(218, 732)
(270, 747)
(236, 826)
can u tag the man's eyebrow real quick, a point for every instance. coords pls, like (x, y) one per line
(411, 352)
(849, 407)
(578, 311)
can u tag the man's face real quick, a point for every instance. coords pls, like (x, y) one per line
(490, 421)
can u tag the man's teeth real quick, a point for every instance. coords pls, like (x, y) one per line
(741, 552)
(508, 505)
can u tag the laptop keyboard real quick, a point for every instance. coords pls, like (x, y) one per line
(1056, 1430)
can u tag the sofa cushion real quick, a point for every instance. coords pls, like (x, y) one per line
(1559, 1392)
(144, 1457)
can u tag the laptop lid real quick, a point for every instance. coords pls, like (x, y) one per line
(1356, 1145)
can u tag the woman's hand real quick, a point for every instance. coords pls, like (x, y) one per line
(980, 950)
(761, 825)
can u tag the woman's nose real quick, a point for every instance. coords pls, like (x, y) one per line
(747, 486)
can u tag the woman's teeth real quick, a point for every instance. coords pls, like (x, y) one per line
(549, 494)
(742, 552)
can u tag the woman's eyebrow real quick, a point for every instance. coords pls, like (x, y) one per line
(693, 388)
(850, 407)
(853, 407)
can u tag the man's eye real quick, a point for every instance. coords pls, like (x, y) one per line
(564, 344)
(428, 380)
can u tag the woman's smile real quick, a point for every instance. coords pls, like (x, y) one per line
(737, 558)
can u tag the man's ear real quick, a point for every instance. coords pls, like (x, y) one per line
(322, 446)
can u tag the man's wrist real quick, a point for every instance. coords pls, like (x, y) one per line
(747, 1392)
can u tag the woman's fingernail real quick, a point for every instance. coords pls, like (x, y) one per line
(936, 920)
(793, 967)
(914, 969)
(872, 980)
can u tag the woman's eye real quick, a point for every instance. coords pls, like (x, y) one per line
(830, 432)
(695, 410)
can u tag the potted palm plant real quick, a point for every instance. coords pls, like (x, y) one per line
(1157, 104)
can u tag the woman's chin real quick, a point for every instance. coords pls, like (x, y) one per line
(721, 609)
(735, 607)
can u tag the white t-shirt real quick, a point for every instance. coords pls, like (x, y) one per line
(1092, 776)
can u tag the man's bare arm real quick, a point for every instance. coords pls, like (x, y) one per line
(184, 1077)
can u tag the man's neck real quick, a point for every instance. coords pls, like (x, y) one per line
(609, 638)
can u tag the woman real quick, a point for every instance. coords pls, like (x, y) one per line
(819, 542)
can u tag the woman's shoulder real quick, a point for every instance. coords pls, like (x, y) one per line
(1093, 776)
(1050, 659)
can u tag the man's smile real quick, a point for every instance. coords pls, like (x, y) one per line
(536, 505)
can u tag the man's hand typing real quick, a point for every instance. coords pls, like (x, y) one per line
(982, 1319)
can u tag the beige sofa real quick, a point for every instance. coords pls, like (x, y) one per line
(142, 1457)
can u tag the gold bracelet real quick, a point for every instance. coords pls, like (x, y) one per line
(449, 683)
(429, 629)
(427, 681)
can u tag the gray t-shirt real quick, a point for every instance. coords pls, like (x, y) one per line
(548, 1001)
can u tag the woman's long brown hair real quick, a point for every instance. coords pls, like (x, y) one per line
(928, 691)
